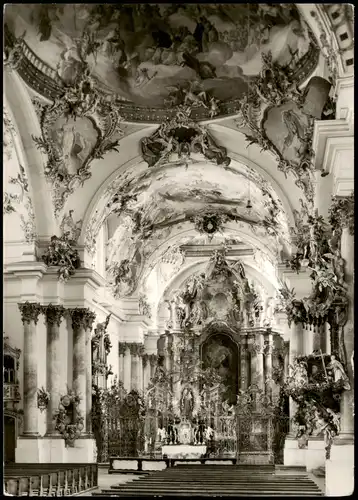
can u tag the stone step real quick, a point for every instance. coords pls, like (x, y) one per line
(213, 481)
(208, 494)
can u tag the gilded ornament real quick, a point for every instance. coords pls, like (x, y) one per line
(53, 314)
(63, 253)
(68, 420)
(30, 311)
(82, 318)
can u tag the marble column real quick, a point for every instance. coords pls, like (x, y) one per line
(127, 369)
(121, 353)
(167, 353)
(317, 341)
(146, 371)
(153, 359)
(347, 418)
(294, 351)
(268, 365)
(286, 359)
(29, 316)
(90, 316)
(82, 321)
(340, 465)
(293, 454)
(140, 353)
(135, 349)
(244, 364)
(55, 382)
(309, 339)
(258, 364)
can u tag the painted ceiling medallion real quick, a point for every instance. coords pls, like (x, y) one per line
(155, 57)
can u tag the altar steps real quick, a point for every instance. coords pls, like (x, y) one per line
(216, 480)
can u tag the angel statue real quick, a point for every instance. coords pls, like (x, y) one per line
(338, 372)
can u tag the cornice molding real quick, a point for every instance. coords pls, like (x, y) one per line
(24, 270)
(325, 130)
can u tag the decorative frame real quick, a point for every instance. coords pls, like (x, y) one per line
(69, 428)
(43, 398)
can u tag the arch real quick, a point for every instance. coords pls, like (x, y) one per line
(26, 123)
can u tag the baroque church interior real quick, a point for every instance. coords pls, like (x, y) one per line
(178, 249)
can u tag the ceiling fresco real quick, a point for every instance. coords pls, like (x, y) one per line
(147, 208)
(159, 55)
(175, 65)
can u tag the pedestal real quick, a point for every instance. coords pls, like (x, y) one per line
(315, 454)
(28, 450)
(292, 454)
(52, 450)
(84, 451)
(340, 471)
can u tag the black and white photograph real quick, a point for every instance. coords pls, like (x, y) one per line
(178, 250)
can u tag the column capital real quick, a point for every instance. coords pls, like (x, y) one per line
(53, 314)
(153, 358)
(136, 349)
(122, 347)
(82, 317)
(145, 358)
(30, 311)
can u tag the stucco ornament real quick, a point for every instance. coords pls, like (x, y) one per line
(68, 420)
(341, 213)
(176, 140)
(144, 306)
(122, 277)
(276, 90)
(15, 54)
(70, 227)
(79, 127)
(21, 203)
(209, 223)
(328, 300)
(9, 132)
(62, 253)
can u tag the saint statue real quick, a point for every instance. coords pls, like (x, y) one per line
(187, 402)
(338, 372)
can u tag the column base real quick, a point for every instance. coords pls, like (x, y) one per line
(83, 451)
(340, 471)
(292, 454)
(315, 454)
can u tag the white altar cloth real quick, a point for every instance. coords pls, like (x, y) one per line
(184, 450)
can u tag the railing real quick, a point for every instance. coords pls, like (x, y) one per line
(50, 480)
(11, 392)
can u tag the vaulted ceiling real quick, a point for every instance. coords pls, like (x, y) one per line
(170, 124)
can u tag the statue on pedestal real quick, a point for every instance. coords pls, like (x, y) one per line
(187, 403)
(338, 372)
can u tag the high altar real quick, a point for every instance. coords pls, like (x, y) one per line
(217, 348)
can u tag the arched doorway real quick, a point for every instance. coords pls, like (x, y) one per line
(9, 439)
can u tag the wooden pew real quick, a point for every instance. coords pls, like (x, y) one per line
(49, 479)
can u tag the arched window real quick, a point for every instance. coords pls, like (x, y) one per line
(9, 369)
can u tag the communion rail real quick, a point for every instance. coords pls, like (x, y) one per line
(49, 479)
(250, 438)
